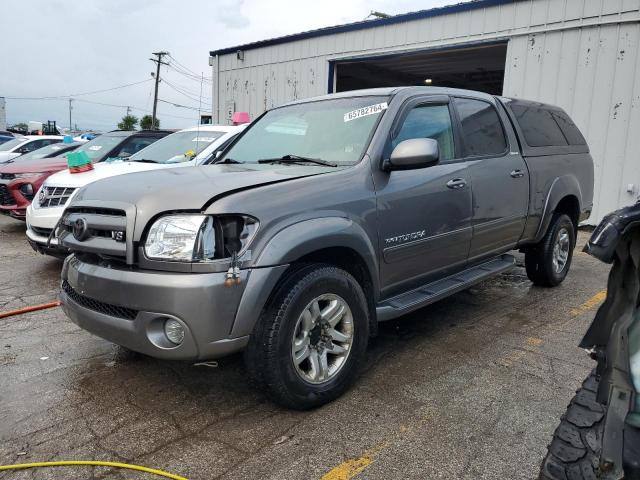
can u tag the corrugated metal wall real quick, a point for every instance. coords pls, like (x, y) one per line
(594, 74)
(580, 54)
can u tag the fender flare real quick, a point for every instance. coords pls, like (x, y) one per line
(287, 246)
(564, 186)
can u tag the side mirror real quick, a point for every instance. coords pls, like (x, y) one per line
(413, 153)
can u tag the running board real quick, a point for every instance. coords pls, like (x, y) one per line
(432, 292)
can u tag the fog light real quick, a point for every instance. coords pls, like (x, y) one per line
(174, 331)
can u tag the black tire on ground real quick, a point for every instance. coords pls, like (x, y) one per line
(539, 258)
(268, 356)
(574, 452)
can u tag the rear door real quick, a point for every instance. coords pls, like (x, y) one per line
(424, 215)
(499, 176)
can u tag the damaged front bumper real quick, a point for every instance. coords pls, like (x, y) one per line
(129, 307)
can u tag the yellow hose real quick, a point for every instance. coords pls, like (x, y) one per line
(20, 466)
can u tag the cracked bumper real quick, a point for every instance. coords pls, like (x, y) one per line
(96, 296)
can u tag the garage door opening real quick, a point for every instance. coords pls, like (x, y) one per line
(479, 67)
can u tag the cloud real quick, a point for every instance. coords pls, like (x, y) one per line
(63, 47)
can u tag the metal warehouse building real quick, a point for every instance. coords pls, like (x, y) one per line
(583, 55)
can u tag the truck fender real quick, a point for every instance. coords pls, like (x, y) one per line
(289, 245)
(566, 185)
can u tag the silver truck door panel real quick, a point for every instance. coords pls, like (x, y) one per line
(499, 176)
(425, 225)
(500, 203)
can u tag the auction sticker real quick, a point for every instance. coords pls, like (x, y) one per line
(364, 111)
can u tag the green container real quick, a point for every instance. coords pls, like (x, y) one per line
(77, 159)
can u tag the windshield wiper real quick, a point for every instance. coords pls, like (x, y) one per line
(226, 160)
(297, 159)
(146, 160)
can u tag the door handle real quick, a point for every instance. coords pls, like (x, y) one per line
(517, 174)
(456, 183)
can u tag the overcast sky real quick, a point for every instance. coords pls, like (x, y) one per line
(58, 48)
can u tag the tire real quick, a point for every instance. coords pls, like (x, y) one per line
(539, 259)
(574, 452)
(269, 357)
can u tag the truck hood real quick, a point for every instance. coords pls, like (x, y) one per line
(52, 164)
(189, 188)
(102, 170)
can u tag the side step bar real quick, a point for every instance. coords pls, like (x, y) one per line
(432, 292)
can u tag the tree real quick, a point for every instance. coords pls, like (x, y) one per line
(146, 122)
(128, 122)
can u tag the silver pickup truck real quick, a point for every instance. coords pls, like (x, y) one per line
(323, 218)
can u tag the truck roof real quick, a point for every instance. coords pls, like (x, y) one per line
(393, 91)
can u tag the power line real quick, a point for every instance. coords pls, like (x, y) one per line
(56, 97)
(189, 76)
(184, 90)
(176, 65)
(140, 109)
(180, 106)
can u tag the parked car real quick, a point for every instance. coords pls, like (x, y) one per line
(21, 145)
(33, 172)
(6, 136)
(19, 188)
(599, 435)
(323, 218)
(187, 147)
(86, 136)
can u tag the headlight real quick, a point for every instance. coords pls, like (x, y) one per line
(27, 189)
(25, 175)
(197, 238)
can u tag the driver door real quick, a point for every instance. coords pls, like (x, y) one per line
(424, 214)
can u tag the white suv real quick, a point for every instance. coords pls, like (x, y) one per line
(189, 147)
(20, 145)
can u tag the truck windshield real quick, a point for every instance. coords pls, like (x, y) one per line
(177, 147)
(335, 131)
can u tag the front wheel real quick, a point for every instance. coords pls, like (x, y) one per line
(311, 339)
(548, 262)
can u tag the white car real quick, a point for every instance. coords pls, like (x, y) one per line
(189, 147)
(20, 145)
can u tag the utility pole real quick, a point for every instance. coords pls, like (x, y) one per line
(70, 108)
(128, 111)
(158, 61)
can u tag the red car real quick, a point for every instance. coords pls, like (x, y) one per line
(20, 180)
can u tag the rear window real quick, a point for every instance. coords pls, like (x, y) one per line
(545, 127)
(569, 129)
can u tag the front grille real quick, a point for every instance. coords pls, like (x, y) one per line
(98, 306)
(95, 230)
(5, 196)
(43, 232)
(54, 196)
(7, 176)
